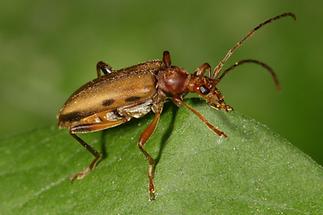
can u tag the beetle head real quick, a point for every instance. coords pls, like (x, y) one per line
(206, 88)
(175, 82)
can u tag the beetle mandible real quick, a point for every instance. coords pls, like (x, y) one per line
(117, 96)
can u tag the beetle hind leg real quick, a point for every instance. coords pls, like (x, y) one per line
(94, 162)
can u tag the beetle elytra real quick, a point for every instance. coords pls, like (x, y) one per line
(117, 96)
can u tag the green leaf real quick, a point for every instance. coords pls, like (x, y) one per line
(253, 171)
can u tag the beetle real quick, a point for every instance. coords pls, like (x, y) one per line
(117, 96)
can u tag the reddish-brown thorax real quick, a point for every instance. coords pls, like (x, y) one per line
(176, 82)
(173, 81)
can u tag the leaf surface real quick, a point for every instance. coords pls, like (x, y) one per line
(253, 171)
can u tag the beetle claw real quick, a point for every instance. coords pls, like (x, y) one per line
(152, 196)
(80, 175)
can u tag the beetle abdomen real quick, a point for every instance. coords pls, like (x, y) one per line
(122, 88)
(136, 111)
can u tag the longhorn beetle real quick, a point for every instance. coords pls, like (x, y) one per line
(117, 96)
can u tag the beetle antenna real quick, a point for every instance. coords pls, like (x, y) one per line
(268, 68)
(249, 34)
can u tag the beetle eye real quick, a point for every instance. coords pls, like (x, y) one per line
(204, 90)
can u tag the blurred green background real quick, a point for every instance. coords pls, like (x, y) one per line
(49, 48)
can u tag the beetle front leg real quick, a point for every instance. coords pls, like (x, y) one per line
(103, 67)
(151, 162)
(167, 59)
(202, 69)
(180, 102)
(94, 162)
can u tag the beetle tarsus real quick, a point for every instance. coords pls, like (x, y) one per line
(87, 170)
(152, 196)
(151, 175)
(80, 175)
(94, 162)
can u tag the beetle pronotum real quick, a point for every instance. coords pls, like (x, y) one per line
(117, 96)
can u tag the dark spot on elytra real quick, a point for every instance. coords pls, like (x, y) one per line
(132, 98)
(108, 102)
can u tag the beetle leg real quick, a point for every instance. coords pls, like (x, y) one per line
(91, 128)
(180, 102)
(151, 162)
(202, 69)
(166, 58)
(103, 67)
(92, 165)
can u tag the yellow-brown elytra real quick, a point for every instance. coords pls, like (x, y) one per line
(120, 95)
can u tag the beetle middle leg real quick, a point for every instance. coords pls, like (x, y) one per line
(97, 158)
(103, 67)
(151, 162)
